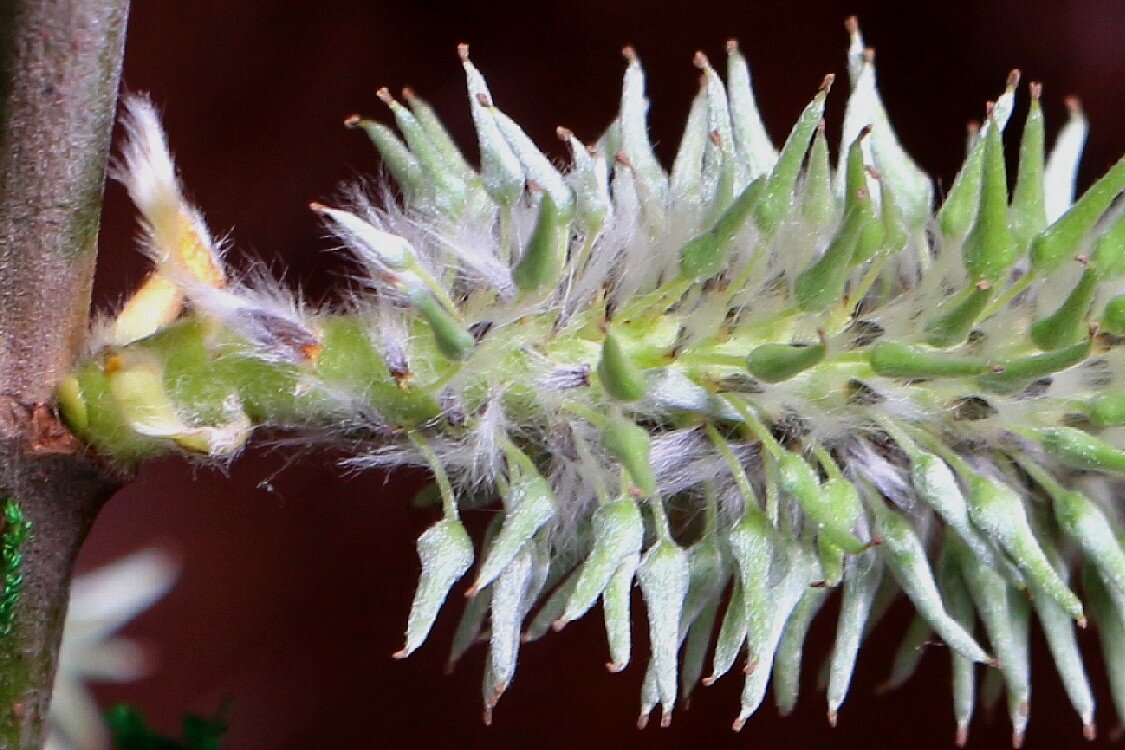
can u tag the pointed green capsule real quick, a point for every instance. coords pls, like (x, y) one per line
(856, 198)
(432, 125)
(1010, 375)
(956, 318)
(1113, 317)
(822, 284)
(1027, 216)
(960, 206)
(894, 359)
(446, 552)
(752, 142)
(707, 576)
(904, 555)
(1061, 174)
(685, 182)
(449, 187)
(831, 561)
(1061, 241)
(1108, 258)
(833, 506)
(552, 610)
(1081, 449)
(997, 510)
(663, 577)
(787, 663)
(959, 604)
(545, 253)
(894, 228)
(403, 166)
(732, 634)
(453, 340)
(707, 254)
(909, 653)
(774, 363)
(1111, 633)
(500, 170)
(778, 194)
(615, 606)
(620, 378)
(1067, 324)
(818, 204)
(1085, 523)
(631, 445)
(531, 506)
(695, 647)
(634, 129)
(989, 251)
(855, 606)
(504, 636)
(472, 618)
(618, 533)
(751, 543)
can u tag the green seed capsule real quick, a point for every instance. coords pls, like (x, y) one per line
(989, 251)
(1113, 318)
(778, 194)
(695, 648)
(856, 192)
(774, 363)
(818, 204)
(439, 136)
(446, 552)
(955, 318)
(894, 359)
(1027, 216)
(453, 340)
(1060, 241)
(552, 609)
(1111, 633)
(960, 205)
(620, 378)
(500, 169)
(545, 253)
(831, 561)
(1083, 521)
(894, 229)
(615, 606)
(1014, 374)
(822, 284)
(707, 577)
(787, 663)
(909, 653)
(403, 166)
(752, 142)
(959, 604)
(531, 506)
(833, 506)
(997, 510)
(472, 618)
(631, 445)
(732, 634)
(855, 606)
(904, 555)
(707, 254)
(618, 533)
(752, 546)
(1082, 449)
(1107, 410)
(686, 181)
(449, 188)
(504, 636)
(1067, 325)
(1108, 257)
(663, 577)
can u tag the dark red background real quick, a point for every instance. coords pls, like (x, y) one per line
(296, 581)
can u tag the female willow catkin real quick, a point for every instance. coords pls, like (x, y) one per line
(736, 385)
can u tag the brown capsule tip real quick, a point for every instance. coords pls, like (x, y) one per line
(716, 138)
(629, 52)
(1083, 258)
(994, 663)
(989, 109)
(1081, 622)
(612, 666)
(884, 687)
(484, 100)
(1035, 89)
(642, 721)
(486, 717)
(384, 94)
(1074, 105)
(869, 55)
(402, 653)
(564, 134)
(1017, 739)
(1090, 732)
(874, 542)
(408, 94)
(751, 665)
(996, 369)
(973, 127)
(352, 121)
(318, 207)
(1023, 708)
(962, 737)
(821, 336)
(864, 132)
(984, 285)
(463, 52)
(709, 681)
(732, 45)
(832, 716)
(826, 84)
(18, 710)
(851, 24)
(738, 724)
(558, 625)
(472, 591)
(1013, 79)
(820, 127)
(699, 60)
(875, 174)
(449, 665)
(622, 158)
(665, 719)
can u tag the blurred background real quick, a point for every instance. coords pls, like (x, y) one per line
(296, 581)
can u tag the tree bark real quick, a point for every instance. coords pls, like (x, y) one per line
(60, 67)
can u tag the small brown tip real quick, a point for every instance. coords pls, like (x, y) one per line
(751, 665)
(448, 670)
(699, 60)
(318, 207)
(564, 134)
(1090, 732)
(732, 46)
(996, 369)
(973, 126)
(1074, 105)
(484, 100)
(1035, 89)
(989, 109)
(665, 719)
(820, 127)
(408, 94)
(463, 52)
(486, 717)
(612, 666)
(642, 721)
(629, 52)
(1081, 622)
(832, 716)
(1013, 80)
(994, 663)
(622, 158)
(400, 654)
(984, 285)
(385, 95)
(738, 724)
(558, 625)
(1083, 258)
(875, 174)
(716, 138)
(352, 121)
(851, 24)
(709, 681)
(826, 84)
(962, 737)
(864, 132)
(472, 591)
(1017, 739)
(869, 55)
